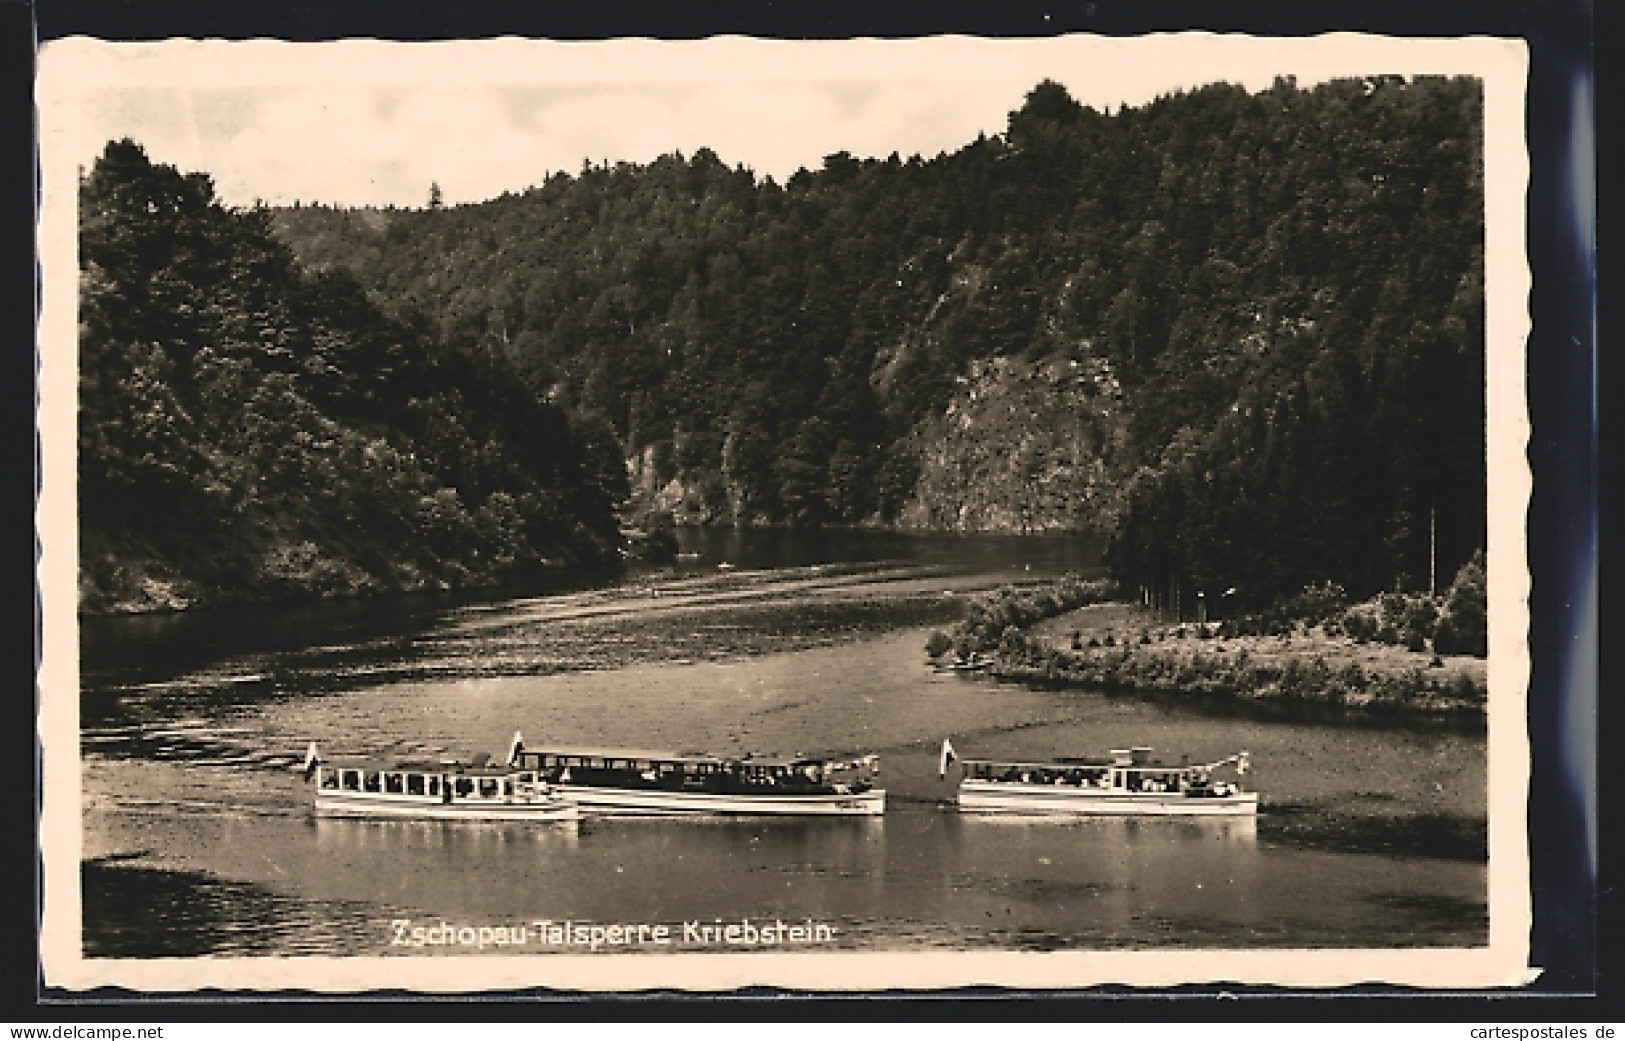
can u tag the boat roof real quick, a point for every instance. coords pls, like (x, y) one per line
(1073, 764)
(424, 767)
(748, 759)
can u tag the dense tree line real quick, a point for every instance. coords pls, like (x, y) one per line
(246, 429)
(1280, 296)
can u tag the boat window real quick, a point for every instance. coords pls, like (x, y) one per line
(350, 780)
(464, 787)
(595, 763)
(414, 784)
(507, 787)
(330, 779)
(369, 781)
(434, 786)
(394, 783)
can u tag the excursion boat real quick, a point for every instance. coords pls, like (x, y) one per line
(631, 782)
(435, 791)
(1128, 783)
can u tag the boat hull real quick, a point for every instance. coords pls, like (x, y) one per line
(603, 801)
(1006, 797)
(409, 807)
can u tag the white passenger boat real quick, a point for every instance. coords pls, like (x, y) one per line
(435, 791)
(1128, 783)
(619, 781)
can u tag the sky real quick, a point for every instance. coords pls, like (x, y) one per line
(375, 123)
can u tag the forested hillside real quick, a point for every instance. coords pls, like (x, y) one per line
(1261, 316)
(246, 430)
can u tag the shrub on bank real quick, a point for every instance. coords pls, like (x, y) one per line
(1172, 671)
(1315, 605)
(1464, 625)
(987, 617)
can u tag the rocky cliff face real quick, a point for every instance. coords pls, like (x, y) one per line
(1022, 447)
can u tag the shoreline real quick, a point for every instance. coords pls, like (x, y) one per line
(1122, 646)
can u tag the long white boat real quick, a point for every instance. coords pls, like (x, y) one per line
(1128, 783)
(435, 791)
(633, 782)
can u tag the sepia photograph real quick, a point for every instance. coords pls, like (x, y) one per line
(833, 515)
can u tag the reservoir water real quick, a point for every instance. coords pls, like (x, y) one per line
(198, 837)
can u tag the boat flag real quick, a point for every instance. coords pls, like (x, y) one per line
(311, 759)
(948, 756)
(515, 747)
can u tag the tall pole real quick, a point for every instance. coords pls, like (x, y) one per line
(1433, 551)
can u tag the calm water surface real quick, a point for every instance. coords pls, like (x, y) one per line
(199, 840)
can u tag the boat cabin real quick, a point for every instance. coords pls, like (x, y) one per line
(444, 781)
(1127, 770)
(626, 768)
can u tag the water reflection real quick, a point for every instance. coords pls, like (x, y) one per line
(133, 911)
(912, 877)
(705, 548)
(345, 840)
(1127, 830)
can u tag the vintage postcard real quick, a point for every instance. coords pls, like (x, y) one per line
(848, 515)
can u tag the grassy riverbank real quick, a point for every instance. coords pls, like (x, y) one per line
(1124, 646)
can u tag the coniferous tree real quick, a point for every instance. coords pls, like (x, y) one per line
(247, 429)
(1276, 299)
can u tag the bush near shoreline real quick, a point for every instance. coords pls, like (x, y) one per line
(1315, 648)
